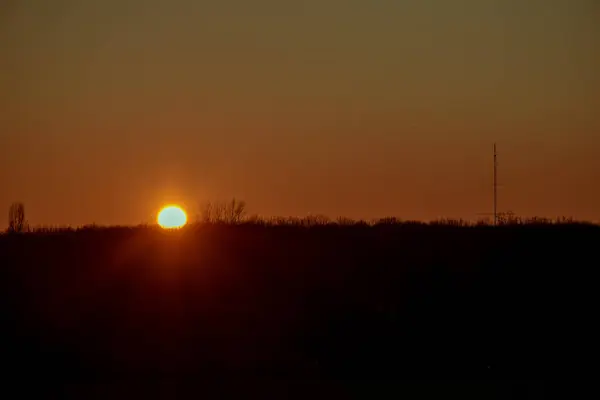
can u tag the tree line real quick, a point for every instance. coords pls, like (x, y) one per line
(234, 212)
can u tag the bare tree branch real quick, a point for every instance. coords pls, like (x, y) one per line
(16, 218)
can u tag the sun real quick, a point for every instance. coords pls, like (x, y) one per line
(171, 217)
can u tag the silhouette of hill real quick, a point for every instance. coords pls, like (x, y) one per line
(394, 300)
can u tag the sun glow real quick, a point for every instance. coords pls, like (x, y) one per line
(171, 217)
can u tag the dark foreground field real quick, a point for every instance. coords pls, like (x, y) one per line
(330, 303)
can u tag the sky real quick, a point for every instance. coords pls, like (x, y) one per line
(110, 109)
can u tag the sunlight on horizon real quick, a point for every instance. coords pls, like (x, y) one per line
(171, 217)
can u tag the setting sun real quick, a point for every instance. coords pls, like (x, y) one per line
(171, 217)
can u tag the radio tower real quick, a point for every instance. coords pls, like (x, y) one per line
(495, 187)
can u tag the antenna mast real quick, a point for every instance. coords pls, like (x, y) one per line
(495, 187)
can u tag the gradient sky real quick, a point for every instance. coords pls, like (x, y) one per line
(108, 109)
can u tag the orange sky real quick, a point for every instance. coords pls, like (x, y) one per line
(358, 108)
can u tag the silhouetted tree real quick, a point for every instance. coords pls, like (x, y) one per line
(387, 221)
(255, 219)
(344, 221)
(232, 212)
(206, 214)
(16, 218)
(235, 211)
(316, 220)
(218, 212)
